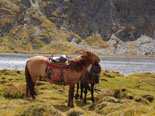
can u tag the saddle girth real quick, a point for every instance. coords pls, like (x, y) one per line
(55, 70)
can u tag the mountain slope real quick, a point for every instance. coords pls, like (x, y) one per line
(65, 26)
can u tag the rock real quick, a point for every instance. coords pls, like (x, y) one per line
(125, 25)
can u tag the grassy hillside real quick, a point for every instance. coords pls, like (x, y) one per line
(126, 96)
(65, 26)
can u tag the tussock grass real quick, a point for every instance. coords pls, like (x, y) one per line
(75, 112)
(38, 109)
(131, 95)
(13, 92)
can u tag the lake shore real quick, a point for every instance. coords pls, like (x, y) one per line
(124, 65)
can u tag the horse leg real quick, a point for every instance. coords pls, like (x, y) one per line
(27, 91)
(34, 90)
(71, 96)
(30, 87)
(29, 84)
(81, 86)
(31, 90)
(77, 92)
(92, 92)
(85, 99)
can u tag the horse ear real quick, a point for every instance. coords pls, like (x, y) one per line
(67, 56)
(82, 51)
(98, 60)
(87, 52)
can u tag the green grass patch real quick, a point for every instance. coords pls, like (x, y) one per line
(131, 95)
(96, 41)
(38, 109)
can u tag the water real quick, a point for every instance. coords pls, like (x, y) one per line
(14, 61)
(124, 65)
(129, 66)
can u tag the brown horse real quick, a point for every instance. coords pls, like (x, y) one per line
(36, 67)
(91, 76)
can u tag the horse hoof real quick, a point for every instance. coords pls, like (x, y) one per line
(72, 106)
(76, 97)
(84, 102)
(33, 97)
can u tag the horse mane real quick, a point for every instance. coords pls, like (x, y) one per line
(82, 62)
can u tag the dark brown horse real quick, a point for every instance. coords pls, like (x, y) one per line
(91, 76)
(36, 67)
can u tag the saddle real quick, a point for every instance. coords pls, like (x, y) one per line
(62, 59)
(56, 69)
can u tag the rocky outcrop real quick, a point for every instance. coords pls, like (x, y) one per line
(127, 19)
(124, 25)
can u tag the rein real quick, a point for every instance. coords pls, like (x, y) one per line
(98, 90)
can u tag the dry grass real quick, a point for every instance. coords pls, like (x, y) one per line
(128, 96)
(13, 92)
(96, 41)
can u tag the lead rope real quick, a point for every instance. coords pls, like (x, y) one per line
(98, 90)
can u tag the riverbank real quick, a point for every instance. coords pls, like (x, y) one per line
(123, 95)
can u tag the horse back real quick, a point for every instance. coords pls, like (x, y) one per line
(36, 66)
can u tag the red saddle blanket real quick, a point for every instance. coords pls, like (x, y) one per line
(56, 72)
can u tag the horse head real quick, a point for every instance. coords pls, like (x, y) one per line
(94, 72)
(91, 56)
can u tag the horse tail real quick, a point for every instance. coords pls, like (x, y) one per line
(29, 84)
